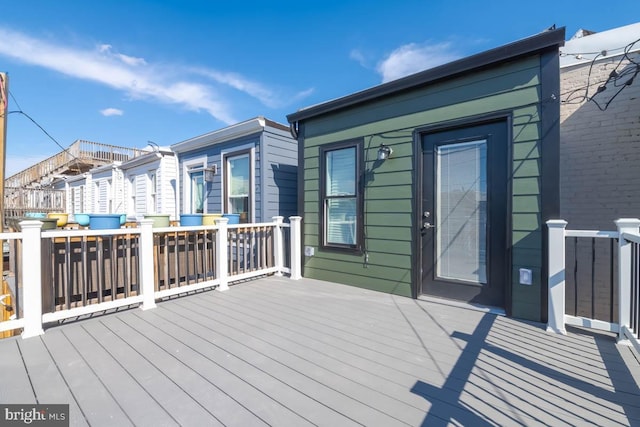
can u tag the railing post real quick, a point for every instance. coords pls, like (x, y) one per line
(556, 298)
(145, 252)
(625, 225)
(31, 278)
(222, 250)
(296, 242)
(278, 245)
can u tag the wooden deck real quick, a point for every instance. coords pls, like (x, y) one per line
(293, 353)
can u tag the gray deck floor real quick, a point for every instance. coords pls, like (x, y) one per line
(295, 353)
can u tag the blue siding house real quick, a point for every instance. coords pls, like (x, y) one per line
(249, 168)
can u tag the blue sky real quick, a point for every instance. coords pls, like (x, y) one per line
(124, 72)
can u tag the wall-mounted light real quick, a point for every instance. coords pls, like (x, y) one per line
(384, 152)
(210, 173)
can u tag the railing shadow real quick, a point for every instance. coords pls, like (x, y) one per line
(447, 405)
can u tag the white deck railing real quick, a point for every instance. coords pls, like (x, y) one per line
(80, 272)
(628, 280)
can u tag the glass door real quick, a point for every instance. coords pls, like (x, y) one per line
(461, 212)
(464, 214)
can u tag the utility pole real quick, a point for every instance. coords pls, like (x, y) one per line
(4, 112)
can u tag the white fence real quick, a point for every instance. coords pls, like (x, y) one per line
(628, 280)
(80, 272)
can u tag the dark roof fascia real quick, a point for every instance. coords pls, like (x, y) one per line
(528, 46)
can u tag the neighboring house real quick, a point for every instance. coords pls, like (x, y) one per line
(438, 184)
(106, 192)
(77, 193)
(249, 168)
(144, 185)
(599, 153)
(150, 184)
(41, 187)
(95, 191)
(600, 128)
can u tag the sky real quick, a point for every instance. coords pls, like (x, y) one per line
(125, 72)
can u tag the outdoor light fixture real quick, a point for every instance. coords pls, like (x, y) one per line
(384, 152)
(210, 173)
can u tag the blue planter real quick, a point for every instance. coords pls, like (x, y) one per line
(36, 214)
(187, 220)
(81, 218)
(233, 218)
(104, 221)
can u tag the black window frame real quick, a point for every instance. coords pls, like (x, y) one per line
(356, 248)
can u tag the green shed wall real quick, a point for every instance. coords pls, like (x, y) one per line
(387, 264)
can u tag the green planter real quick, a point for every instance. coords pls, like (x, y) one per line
(159, 220)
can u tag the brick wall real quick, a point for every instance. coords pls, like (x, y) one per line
(599, 150)
(599, 178)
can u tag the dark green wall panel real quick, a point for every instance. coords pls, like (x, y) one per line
(391, 188)
(390, 286)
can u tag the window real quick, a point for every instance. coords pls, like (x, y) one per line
(342, 219)
(132, 196)
(77, 199)
(461, 211)
(102, 200)
(238, 186)
(151, 186)
(197, 191)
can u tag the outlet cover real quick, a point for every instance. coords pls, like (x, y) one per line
(309, 251)
(526, 276)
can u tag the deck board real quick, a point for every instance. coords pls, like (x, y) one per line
(280, 352)
(139, 406)
(21, 391)
(49, 385)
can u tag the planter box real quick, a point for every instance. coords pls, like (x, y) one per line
(190, 219)
(158, 220)
(104, 221)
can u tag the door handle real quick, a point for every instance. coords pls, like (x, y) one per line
(426, 225)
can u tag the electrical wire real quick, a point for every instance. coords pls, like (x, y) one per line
(15, 100)
(19, 111)
(42, 129)
(75, 160)
(616, 78)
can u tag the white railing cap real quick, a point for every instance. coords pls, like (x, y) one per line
(627, 222)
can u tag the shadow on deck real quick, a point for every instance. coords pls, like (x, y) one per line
(280, 352)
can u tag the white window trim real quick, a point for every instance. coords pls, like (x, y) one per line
(130, 180)
(239, 151)
(187, 167)
(152, 193)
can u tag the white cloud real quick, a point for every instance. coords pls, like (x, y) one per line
(111, 112)
(139, 79)
(358, 56)
(265, 95)
(412, 58)
(129, 60)
(238, 82)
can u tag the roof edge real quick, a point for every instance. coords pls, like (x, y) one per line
(238, 130)
(536, 43)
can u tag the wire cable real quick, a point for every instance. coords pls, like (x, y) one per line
(618, 78)
(75, 160)
(42, 129)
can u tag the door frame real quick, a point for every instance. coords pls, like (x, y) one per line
(497, 116)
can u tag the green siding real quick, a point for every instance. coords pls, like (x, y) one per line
(525, 186)
(526, 150)
(391, 186)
